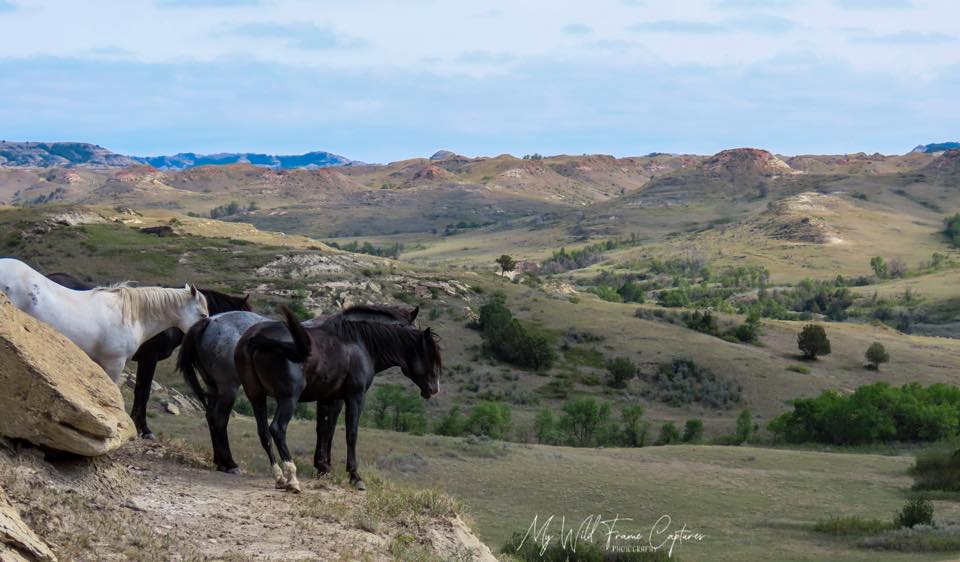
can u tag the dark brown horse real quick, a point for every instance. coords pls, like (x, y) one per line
(336, 360)
(208, 353)
(157, 348)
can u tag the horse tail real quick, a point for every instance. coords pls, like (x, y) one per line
(188, 361)
(301, 339)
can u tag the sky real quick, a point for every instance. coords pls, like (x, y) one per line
(381, 81)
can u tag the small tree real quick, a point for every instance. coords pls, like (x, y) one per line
(879, 266)
(506, 264)
(744, 427)
(634, 428)
(669, 434)
(620, 371)
(491, 419)
(581, 419)
(813, 341)
(877, 354)
(693, 431)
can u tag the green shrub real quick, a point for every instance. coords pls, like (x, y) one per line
(620, 371)
(876, 354)
(452, 423)
(802, 369)
(606, 293)
(490, 419)
(673, 298)
(917, 511)
(507, 339)
(631, 291)
(744, 430)
(635, 430)
(693, 431)
(395, 407)
(813, 341)
(669, 434)
(582, 419)
(683, 381)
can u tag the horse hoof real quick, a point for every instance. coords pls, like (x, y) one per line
(149, 436)
(234, 470)
(359, 485)
(293, 487)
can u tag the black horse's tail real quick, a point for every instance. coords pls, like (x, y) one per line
(301, 339)
(189, 359)
(295, 351)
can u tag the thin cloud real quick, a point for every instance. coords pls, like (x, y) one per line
(305, 36)
(7, 6)
(485, 57)
(676, 26)
(761, 23)
(875, 4)
(751, 4)
(906, 38)
(205, 3)
(576, 29)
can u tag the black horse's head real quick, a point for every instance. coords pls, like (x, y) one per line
(219, 302)
(423, 364)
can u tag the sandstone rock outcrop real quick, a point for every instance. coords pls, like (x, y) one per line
(18, 543)
(53, 394)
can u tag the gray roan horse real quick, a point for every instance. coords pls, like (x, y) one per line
(334, 361)
(208, 348)
(157, 348)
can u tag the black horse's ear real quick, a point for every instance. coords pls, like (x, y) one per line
(193, 290)
(413, 313)
(427, 334)
(246, 297)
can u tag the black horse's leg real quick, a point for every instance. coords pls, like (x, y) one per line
(146, 367)
(218, 416)
(327, 415)
(285, 408)
(354, 409)
(259, 405)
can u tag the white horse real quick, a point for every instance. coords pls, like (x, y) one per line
(108, 323)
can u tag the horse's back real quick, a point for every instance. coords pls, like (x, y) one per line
(220, 339)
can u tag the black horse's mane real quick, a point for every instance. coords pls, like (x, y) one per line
(359, 312)
(385, 340)
(218, 302)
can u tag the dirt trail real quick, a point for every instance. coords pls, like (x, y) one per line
(146, 499)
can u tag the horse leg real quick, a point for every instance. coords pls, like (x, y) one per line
(114, 368)
(259, 405)
(285, 408)
(146, 367)
(218, 416)
(354, 409)
(327, 415)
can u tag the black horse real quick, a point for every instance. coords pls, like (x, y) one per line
(208, 351)
(157, 348)
(334, 361)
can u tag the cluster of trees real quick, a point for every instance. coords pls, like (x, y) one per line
(629, 291)
(831, 298)
(564, 260)
(705, 321)
(487, 419)
(509, 340)
(392, 251)
(232, 208)
(873, 413)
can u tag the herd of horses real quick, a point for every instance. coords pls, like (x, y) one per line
(330, 360)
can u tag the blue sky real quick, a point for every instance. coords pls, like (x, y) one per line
(381, 81)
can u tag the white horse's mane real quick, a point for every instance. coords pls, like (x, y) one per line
(143, 302)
